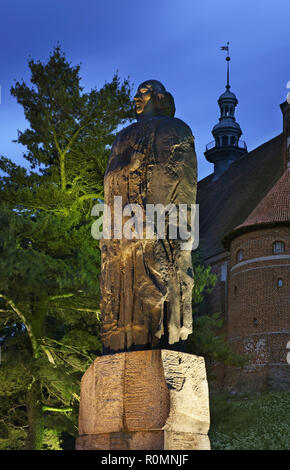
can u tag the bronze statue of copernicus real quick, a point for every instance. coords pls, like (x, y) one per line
(146, 284)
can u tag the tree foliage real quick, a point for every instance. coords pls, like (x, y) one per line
(207, 339)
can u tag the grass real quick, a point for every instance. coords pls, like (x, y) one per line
(250, 422)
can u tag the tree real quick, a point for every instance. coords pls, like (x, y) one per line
(49, 262)
(206, 339)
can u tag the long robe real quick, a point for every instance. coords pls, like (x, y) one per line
(146, 284)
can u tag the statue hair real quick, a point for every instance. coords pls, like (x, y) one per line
(164, 104)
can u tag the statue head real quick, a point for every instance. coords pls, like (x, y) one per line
(152, 99)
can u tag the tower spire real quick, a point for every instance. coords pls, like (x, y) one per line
(227, 146)
(227, 48)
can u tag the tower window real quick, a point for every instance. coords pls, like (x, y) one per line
(278, 247)
(225, 140)
(233, 140)
(255, 322)
(235, 290)
(280, 282)
(240, 256)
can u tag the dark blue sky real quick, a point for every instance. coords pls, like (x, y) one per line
(174, 41)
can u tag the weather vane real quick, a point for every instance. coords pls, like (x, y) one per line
(227, 48)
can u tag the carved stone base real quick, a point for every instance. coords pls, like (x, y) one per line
(150, 400)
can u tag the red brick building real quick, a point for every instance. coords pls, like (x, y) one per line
(245, 237)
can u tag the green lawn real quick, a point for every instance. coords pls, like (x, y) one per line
(247, 422)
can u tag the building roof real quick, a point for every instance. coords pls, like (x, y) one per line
(226, 123)
(227, 202)
(228, 95)
(273, 210)
(275, 207)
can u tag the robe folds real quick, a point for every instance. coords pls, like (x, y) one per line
(146, 284)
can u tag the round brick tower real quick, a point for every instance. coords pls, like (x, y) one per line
(259, 311)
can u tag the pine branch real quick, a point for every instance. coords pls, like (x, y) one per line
(49, 355)
(63, 296)
(87, 310)
(88, 196)
(25, 322)
(58, 410)
(62, 153)
(77, 397)
(66, 346)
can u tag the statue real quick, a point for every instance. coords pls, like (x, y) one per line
(132, 397)
(146, 283)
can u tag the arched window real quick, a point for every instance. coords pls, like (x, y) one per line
(278, 247)
(240, 256)
(280, 282)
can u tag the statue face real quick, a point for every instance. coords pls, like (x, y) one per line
(143, 100)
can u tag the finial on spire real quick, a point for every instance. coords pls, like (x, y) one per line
(227, 48)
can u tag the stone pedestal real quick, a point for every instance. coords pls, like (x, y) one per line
(150, 400)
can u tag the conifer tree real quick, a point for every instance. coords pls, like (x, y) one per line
(49, 262)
